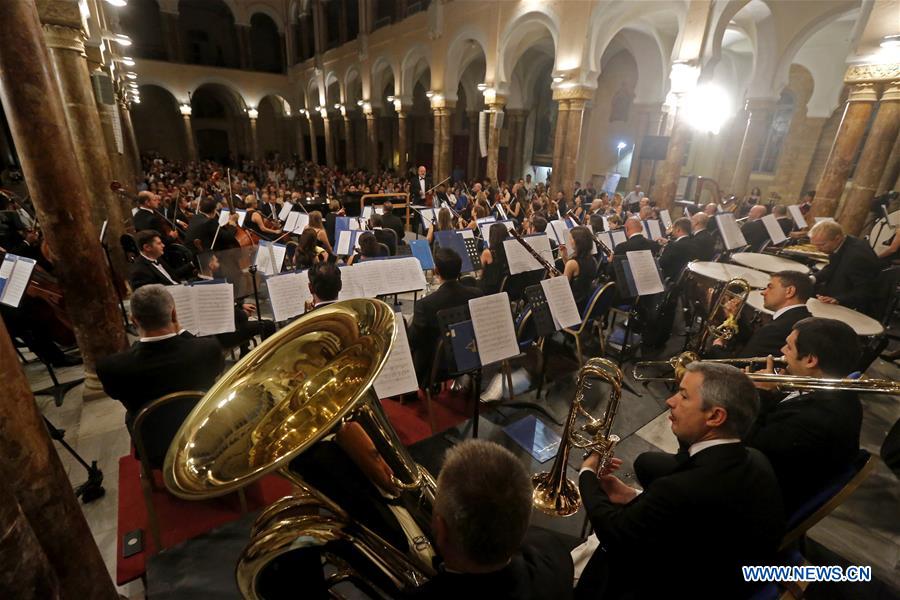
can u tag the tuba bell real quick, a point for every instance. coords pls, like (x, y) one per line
(310, 380)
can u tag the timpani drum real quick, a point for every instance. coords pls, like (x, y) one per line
(767, 263)
(863, 325)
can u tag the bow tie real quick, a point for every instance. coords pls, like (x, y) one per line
(421, 179)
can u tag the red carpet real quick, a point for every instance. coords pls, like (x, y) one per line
(411, 420)
(179, 520)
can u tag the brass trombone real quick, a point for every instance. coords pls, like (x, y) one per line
(678, 365)
(719, 323)
(554, 493)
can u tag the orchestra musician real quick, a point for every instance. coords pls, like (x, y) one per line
(255, 221)
(369, 248)
(392, 221)
(580, 267)
(753, 229)
(308, 252)
(493, 259)
(704, 241)
(148, 217)
(852, 269)
(383, 235)
(420, 186)
(680, 251)
(444, 223)
(204, 228)
(634, 230)
(150, 266)
(324, 283)
(316, 224)
(784, 220)
(719, 506)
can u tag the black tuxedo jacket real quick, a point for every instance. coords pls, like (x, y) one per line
(696, 526)
(850, 274)
(636, 242)
(541, 569)
(204, 229)
(769, 338)
(392, 221)
(755, 233)
(144, 219)
(675, 255)
(424, 332)
(704, 244)
(150, 370)
(142, 272)
(808, 439)
(415, 190)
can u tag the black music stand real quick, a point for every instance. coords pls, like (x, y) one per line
(543, 324)
(58, 390)
(448, 321)
(91, 489)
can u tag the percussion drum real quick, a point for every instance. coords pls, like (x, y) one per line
(863, 325)
(767, 263)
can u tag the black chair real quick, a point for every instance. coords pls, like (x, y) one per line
(387, 237)
(129, 246)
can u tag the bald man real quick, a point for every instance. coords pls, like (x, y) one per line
(704, 242)
(754, 230)
(852, 269)
(634, 231)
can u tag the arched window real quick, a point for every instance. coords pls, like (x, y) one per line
(143, 23)
(208, 36)
(265, 44)
(767, 156)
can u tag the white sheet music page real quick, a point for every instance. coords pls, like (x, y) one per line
(372, 276)
(301, 222)
(518, 258)
(367, 212)
(17, 280)
(618, 236)
(605, 223)
(343, 244)
(655, 230)
(731, 233)
(6, 269)
(495, 333)
(184, 306)
(269, 257)
(665, 217)
(429, 215)
(398, 376)
(797, 215)
(646, 276)
(214, 303)
(351, 284)
(405, 274)
(560, 231)
(288, 293)
(242, 216)
(773, 228)
(466, 233)
(224, 215)
(561, 302)
(286, 209)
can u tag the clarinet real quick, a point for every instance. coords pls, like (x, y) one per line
(597, 240)
(551, 270)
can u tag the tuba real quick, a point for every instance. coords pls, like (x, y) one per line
(554, 493)
(310, 380)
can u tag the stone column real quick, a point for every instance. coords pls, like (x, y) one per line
(348, 140)
(520, 143)
(559, 140)
(169, 30)
(132, 154)
(874, 157)
(24, 568)
(446, 149)
(329, 141)
(189, 136)
(493, 157)
(759, 115)
(731, 139)
(435, 145)
(474, 148)
(371, 134)
(402, 152)
(301, 139)
(578, 101)
(254, 140)
(512, 154)
(670, 171)
(891, 170)
(860, 103)
(243, 39)
(70, 71)
(35, 474)
(313, 143)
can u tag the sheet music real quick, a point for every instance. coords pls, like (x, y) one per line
(618, 236)
(646, 276)
(269, 257)
(6, 269)
(559, 231)
(510, 225)
(301, 222)
(372, 277)
(665, 217)
(466, 233)
(607, 238)
(520, 260)
(184, 307)
(288, 293)
(345, 238)
(406, 274)
(561, 302)
(367, 212)
(286, 209)
(494, 330)
(242, 215)
(654, 229)
(485, 221)
(214, 305)
(351, 284)
(224, 215)
(773, 228)
(429, 215)
(797, 215)
(605, 223)
(731, 233)
(398, 376)
(17, 279)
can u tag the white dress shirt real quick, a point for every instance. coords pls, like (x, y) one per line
(158, 338)
(700, 446)
(159, 268)
(784, 309)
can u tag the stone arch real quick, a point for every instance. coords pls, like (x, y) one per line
(207, 33)
(465, 48)
(220, 123)
(609, 19)
(414, 64)
(648, 53)
(520, 34)
(143, 23)
(270, 12)
(382, 68)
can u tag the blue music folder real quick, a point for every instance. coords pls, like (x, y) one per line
(422, 251)
(535, 437)
(465, 349)
(454, 241)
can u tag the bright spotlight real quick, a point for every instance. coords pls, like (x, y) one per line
(707, 107)
(621, 146)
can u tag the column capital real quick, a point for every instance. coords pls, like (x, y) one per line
(863, 92)
(891, 92)
(64, 37)
(60, 12)
(576, 92)
(872, 73)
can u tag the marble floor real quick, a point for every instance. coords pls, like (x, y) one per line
(865, 530)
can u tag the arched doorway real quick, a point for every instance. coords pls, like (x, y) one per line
(221, 127)
(158, 125)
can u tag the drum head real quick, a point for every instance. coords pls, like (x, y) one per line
(881, 233)
(725, 272)
(767, 263)
(862, 324)
(755, 300)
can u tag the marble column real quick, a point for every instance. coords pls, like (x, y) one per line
(372, 136)
(830, 188)
(520, 144)
(70, 71)
(446, 149)
(512, 151)
(474, 147)
(35, 475)
(436, 146)
(759, 115)
(350, 161)
(577, 111)
(493, 157)
(402, 152)
(171, 39)
(243, 39)
(254, 140)
(132, 153)
(189, 138)
(872, 161)
(670, 171)
(559, 140)
(329, 141)
(301, 139)
(313, 143)
(25, 571)
(891, 172)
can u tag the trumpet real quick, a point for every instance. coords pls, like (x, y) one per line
(783, 382)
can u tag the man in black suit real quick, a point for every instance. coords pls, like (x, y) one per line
(704, 241)
(150, 266)
(786, 296)
(147, 216)
(811, 437)
(420, 185)
(482, 509)
(852, 268)
(424, 333)
(754, 230)
(162, 362)
(718, 509)
(204, 226)
(785, 221)
(679, 252)
(634, 231)
(391, 221)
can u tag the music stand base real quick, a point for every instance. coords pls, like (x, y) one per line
(91, 489)
(58, 390)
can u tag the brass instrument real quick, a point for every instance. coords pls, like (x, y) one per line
(802, 251)
(783, 382)
(551, 270)
(554, 493)
(678, 365)
(727, 327)
(310, 379)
